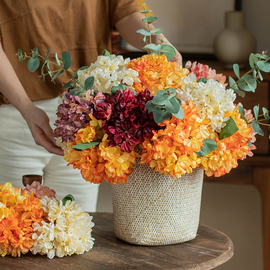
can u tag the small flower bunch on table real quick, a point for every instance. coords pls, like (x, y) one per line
(170, 117)
(33, 220)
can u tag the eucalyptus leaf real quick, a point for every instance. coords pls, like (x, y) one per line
(144, 32)
(66, 60)
(209, 145)
(234, 86)
(236, 70)
(229, 129)
(33, 64)
(256, 111)
(265, 113)
(241, 109)
(163, 96)
(150, 19)
(257, 128)
(263, 66)
(261, 56)
(122, 87)
(47, 55)
(106, 53)
(173, 105)
(152, 47)
(69, 84)
(58, 74)
(156, 31)
(69, 197)
(145, 11)
(161, 115)
(260, 75)
(19, 52)
(83, 146)
(180, 114)
(168, 50)
(57, 60)
(83, 68)
(89, 82)
(152, 107)
(203, 80)
(253, 59)
(35, 53)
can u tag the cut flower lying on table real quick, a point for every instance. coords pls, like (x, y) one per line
(174, 119)
(34, 220)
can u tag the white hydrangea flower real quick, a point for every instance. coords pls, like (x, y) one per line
(109, 71)
(211, 98)
(67, 232)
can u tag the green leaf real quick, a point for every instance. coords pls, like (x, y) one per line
(144, 32)
(228, 130)
(236, 70)
(234, 86)
(260, 75)
(253, 59)
(69, 84)
(256, 111)
(106, 53)
(263, 66)
(122, 87)
(152, 47)
(145, 11)
(257, 128)
(163, 96)
(173, 105)
(69, 197)
(66, 60)
(57, 60)
(247, 83)
(150, 19)
(35, 53)
(265, 113)
(156, 31)
(19, 52)
(168, 50)
(47, 55)
(42, 70)
(83, 67)
(58, 74)
(261, 56)
(241, 109)
(209, 145)
(33, 64)
(83, 146)
(180, 114)
(161, 115)
(203, 80)
(89, 82)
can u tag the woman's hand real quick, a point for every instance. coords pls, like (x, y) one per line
(41, 130)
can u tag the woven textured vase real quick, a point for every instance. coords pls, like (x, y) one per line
(153, 209)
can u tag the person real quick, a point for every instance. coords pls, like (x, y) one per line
(28, 105)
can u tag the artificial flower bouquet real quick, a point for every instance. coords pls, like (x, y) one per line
(33, 220)
(170, 117)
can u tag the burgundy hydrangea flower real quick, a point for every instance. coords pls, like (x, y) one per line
(73, 115)
(128, 122)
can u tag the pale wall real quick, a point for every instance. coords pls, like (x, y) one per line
(233, 209)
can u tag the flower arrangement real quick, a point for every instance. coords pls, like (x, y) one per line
(170, 117)
(33, 220)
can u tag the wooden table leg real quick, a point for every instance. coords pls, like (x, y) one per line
(261, 179)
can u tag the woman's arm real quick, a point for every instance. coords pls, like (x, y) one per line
(36, 118)
(128, 26)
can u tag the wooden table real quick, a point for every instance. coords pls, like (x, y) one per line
(208, 250)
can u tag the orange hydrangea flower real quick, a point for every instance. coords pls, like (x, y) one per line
(224, 158)
(19, 210)
(157, 73)
(102, 162)
(171, 150)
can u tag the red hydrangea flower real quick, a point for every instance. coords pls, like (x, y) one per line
(126, 120)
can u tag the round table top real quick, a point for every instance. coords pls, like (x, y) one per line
(208, 250)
